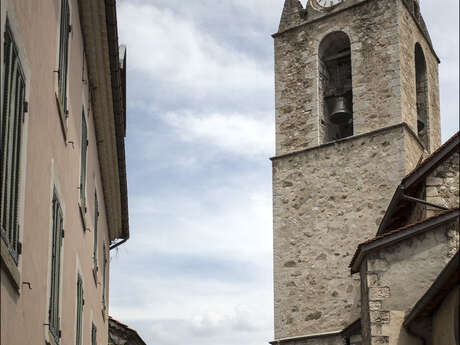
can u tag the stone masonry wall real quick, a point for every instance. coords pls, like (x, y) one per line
(410, 34)
(417, 260)
(373, 31)
(327, 200)
(442, 185)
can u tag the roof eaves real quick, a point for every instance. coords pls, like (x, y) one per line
(432, 161)
(420, 172)
(398, 235)
(119, 111)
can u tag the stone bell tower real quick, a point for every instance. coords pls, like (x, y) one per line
(357, 105)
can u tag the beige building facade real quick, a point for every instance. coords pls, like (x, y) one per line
(63, 177)
(357, 112)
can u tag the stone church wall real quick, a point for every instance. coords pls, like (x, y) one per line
(326, 201)
(443, 185)
(417, 260)
(410, 34)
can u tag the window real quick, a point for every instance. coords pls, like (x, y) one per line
(336, 89)
(93, 334)
(104, 272)
(57, 236)
(63, 59)
(80, 303)
(12, 119)
(421, 86)
(96, 220)
(84, 150)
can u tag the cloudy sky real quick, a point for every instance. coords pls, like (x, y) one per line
(198, 266)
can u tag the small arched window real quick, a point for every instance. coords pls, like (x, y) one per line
(336, 96)
(421, 82)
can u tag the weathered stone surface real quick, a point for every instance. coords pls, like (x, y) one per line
(410, 268)
(332, 201)
(443, 185)
(328, 198)
(383, 35)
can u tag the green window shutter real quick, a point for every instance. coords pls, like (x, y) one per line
(84, 150)
(96, 220)
(93, 334)
(64, 53)
(54, 320)
(104, 273)
(79, 329)
(10, 150)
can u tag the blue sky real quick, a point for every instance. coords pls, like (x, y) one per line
(198, 266)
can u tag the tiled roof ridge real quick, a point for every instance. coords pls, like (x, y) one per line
(431, 156)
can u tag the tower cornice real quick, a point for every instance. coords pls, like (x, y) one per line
(352, 138)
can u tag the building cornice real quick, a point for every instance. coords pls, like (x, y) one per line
(98, 22)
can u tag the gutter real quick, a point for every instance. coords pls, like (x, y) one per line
(119, 110)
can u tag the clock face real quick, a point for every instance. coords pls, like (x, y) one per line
(326, 4)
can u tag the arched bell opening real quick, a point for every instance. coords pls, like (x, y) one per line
(336, 90)
(421, 82)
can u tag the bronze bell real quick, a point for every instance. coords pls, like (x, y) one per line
(341, 112)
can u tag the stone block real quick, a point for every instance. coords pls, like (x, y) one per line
(380, 317)
(379, 293)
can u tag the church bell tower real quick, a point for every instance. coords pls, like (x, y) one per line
(357, 106)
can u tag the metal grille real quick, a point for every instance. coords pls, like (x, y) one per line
(10, 150)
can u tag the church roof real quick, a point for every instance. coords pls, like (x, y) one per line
(412, 180)
(120, 333)
(400, 234)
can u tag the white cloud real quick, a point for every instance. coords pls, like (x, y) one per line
(234, 133)
(221, 224)
(172, 49)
